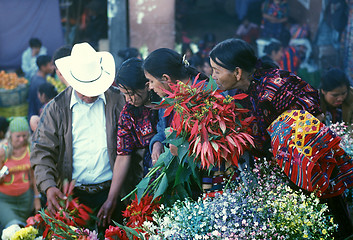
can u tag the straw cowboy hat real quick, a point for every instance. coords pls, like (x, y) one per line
(89, 72)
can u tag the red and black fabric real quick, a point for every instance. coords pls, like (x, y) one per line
(309, 154)
(274, 91)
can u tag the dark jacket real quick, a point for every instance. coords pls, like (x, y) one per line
(51, 155)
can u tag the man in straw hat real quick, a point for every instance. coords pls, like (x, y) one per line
(76, 135)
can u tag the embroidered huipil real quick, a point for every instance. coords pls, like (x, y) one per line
(274, 91)
(136, 127)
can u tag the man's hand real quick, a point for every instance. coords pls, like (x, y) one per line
(157, 149)
(105, 213)
(53, 197)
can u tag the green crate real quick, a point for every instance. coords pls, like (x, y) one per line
(13, 97)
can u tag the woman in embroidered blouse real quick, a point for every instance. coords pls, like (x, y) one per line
(17, 185)
(336, 97)
(136, 126)
(271, 93)
(162, 67)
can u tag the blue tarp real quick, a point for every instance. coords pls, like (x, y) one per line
(21, 20)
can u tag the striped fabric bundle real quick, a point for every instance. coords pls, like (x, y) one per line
(309, 154)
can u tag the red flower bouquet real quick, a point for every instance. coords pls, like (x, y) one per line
(214, 125)
(207, 128)
(61, 226)
(139, 211)
(136, 214)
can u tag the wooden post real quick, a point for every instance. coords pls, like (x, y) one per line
(118, 27)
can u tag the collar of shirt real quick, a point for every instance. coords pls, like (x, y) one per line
(75, 99)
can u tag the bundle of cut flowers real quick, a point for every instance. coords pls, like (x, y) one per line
(15, 232)
(135, 215)
(266, 209)
(207, 128)
(213, 125)
(68, 222)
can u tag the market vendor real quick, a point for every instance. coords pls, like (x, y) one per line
(77, 132)
(278, 99)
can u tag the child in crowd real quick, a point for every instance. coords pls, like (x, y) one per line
(45, 67)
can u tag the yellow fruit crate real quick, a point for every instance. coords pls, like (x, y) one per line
(56, 83)
(14, 111)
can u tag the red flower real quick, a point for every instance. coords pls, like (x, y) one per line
(113, 233)
(140, 212)
(72, 214)
(215, 126)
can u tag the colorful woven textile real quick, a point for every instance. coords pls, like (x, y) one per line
(309, 154)
(274, 91)
(136, 127)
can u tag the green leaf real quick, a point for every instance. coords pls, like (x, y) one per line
(164, 158)
(183, 150)
(144, 182)
(162, 187)
(141, 187)
(182, 192)
(175, 141)
(182, 175)
(212, 85)
(171, 168)
(169, 101)
(192, 164)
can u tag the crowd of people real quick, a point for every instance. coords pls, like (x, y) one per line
(104, 132)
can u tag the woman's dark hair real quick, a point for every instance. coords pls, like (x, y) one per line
(48, 89)
(131, 75)
(273, 46)
(127, 53)
(268, 63)
(167, 61)
(334, 78)
(233, 53)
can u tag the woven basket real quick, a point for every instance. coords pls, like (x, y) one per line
(14, 111)
(13, 97)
